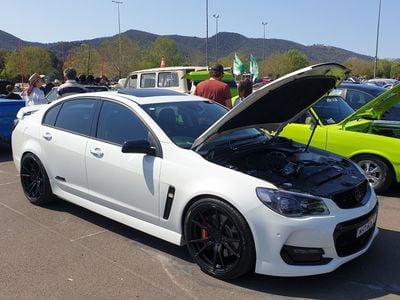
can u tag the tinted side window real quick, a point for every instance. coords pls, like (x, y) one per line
(76, 116)
(51, 115)
(118, 124)
(356, 99)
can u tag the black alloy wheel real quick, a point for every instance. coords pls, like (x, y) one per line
(34, 180)
(219, 239)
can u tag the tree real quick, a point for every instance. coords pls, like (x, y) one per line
(279, 64)
(85, 59)
(395, 73)
(34, 59)
(359, 67)
(384, 68)
(3, 56)
(162, 47)
(275, 65)
(131, 57)
(295, 60)
(195, 58)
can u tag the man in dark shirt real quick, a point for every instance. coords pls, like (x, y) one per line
(11, 94)
(214, 88)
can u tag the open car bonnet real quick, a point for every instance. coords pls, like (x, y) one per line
(280, 101)
(376, 107)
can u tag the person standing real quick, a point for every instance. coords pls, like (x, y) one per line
(34, 95)
(70, 86)
(245, 88)
(10, 93)
(214, 88)
(48, 84)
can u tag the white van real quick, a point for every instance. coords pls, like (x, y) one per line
(166, 78)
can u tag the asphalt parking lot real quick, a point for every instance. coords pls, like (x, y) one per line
(65, 252)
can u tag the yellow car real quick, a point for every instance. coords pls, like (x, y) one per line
(362, 135)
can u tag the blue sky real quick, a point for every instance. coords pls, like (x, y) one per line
(348, 24)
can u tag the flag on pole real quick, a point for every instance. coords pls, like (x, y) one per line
(253, 67)
(238, 66)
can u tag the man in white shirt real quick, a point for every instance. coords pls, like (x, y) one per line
(70, 86)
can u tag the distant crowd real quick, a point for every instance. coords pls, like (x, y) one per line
(40, 85)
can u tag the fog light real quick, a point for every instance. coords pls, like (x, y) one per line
(303, 256)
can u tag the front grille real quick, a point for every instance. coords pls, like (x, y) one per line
(345, 235)
(353, 197)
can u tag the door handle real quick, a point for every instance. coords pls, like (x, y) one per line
(97, 152)
(47, 136)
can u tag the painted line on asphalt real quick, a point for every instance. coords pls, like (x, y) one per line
(88, 235)
(11, 182)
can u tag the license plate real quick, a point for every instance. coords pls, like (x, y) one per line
(367, 226)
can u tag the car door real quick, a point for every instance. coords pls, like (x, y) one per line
(125, 182)
(65, 132)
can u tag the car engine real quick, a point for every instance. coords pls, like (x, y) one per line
(291, 167)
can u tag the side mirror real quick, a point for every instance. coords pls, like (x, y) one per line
(308, 120)
(138, 146)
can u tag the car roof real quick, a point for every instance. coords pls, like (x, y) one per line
(146, 96)
(368, 88)
(150, 92)
(167, 69)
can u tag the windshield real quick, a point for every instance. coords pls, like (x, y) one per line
(332, 110)
(184, 122)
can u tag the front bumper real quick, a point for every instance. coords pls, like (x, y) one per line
(314, 245)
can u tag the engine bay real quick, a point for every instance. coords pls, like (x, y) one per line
(290, 166)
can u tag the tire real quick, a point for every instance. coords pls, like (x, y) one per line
(34, 180)
(378, 171)
(219, 239)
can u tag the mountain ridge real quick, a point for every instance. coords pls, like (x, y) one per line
(228, 42)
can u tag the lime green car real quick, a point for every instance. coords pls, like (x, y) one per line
(373, 143)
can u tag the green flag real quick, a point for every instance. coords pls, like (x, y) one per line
(253, 67)
(238, 66)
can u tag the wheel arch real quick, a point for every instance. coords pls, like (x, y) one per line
(382, 157)
(202, 196)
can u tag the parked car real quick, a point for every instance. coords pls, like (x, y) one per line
(359, 94)
(166, 78)
(8, 112)
(360, 135)
(184, 169)
(383, 82)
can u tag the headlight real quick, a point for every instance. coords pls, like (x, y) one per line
(292, 204)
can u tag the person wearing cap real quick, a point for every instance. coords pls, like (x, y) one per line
(214, 88)
(70, 86)
(34, 95)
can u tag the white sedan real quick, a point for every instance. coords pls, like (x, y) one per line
(181, 168)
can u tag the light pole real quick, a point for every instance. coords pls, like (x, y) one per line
(216, 37)
(119, 37)
(88, 61)
(207, 33)
(377, 39)
(264, 24)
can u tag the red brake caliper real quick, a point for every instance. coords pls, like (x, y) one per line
(204, 233)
